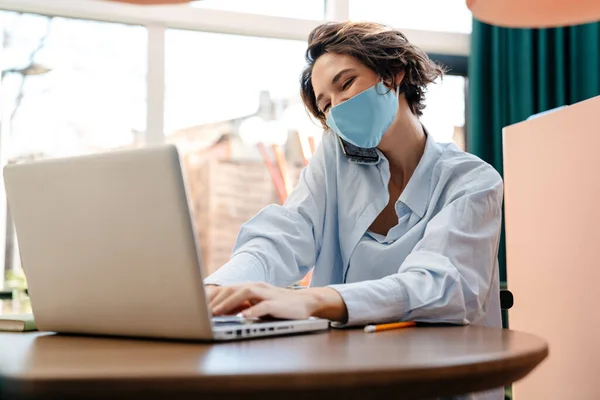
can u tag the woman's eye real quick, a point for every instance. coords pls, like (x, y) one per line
(325, 108)
(347, 83)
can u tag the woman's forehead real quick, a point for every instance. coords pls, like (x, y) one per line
(329, 61)
(329, 64)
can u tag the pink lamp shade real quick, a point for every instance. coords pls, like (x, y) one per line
(152, 2)
(535, 13)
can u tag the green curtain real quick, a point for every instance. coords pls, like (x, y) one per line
(514, 73)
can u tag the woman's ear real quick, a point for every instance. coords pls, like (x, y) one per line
(399, 78)
(398, 81)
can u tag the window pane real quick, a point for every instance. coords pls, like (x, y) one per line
(225, 94)
(68, 87)
(444, 114)
(428, 15)
(302, 9)
(71, 86)
(212, 78)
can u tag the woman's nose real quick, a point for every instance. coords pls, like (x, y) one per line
(338, 100)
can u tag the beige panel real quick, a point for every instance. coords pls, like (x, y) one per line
(552, 200)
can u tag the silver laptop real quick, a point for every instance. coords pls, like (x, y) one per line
(108, 246)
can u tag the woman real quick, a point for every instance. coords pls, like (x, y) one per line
(397, 226)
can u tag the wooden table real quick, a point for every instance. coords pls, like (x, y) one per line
(349, 364)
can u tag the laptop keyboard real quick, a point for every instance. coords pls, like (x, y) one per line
(235, 320)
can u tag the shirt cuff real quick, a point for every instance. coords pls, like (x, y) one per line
(375, 301)
(243, 267)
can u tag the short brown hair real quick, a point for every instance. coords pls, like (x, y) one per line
(384, 50)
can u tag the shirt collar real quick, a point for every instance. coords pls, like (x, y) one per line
(416, 193)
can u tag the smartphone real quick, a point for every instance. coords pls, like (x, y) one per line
(358, 154)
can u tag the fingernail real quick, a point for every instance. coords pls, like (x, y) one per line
(216, 310)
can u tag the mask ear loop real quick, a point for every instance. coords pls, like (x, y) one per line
(397, 89)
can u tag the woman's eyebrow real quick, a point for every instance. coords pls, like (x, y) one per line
(337, 76)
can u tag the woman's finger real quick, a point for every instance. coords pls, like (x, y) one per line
(261, 309)
(211, 291)
(223, 293)
(241, 308)
(238, 297)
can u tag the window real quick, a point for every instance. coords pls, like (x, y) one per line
(302, 9)
(216, 78)
(68, 87)
(227, 96)
(426, 15)
(444, 114)
(231, 103)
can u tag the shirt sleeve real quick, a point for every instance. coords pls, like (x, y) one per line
(448, 275)
(280, 244)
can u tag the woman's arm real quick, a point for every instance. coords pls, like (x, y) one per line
(279, 245)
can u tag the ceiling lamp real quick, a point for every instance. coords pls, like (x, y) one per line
(535, 13)
(152, 2)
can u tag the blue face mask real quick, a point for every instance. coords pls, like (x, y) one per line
(363, 119)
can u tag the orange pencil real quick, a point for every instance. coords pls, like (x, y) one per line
(387, 327)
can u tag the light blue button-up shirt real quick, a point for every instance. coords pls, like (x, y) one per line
(438, 264)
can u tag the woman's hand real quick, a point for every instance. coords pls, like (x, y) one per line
(211, 292)
(262, 299)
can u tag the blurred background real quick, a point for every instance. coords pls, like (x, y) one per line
(218, 78)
